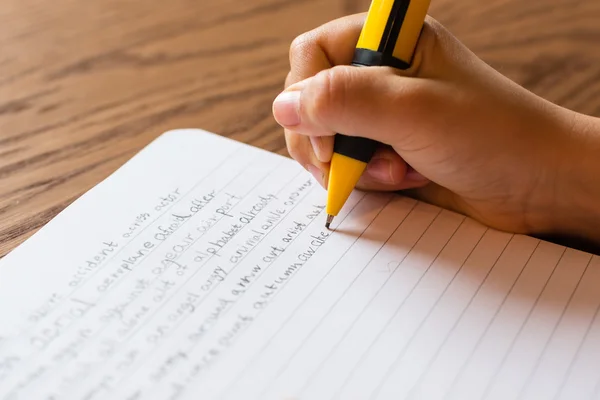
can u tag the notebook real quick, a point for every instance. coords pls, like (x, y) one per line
(202, 269)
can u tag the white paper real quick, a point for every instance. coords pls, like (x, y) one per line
(202, 269)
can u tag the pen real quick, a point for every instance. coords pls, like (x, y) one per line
(388, 38)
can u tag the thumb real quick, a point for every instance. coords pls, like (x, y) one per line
(371, 102)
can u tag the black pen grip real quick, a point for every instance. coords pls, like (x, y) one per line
(355, 147)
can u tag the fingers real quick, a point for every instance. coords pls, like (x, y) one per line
(310, 53)
(334, 43)
(323, 147)
(324, 96)
(367, 102)
(299, 148)
(330, 44)
(326, 99)
(387, 171)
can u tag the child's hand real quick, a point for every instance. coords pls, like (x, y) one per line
(475, 141)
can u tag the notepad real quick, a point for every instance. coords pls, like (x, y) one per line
(201, 269)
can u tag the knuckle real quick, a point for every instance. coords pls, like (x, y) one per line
(299, 47)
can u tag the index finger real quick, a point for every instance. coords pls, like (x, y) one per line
(324, 47)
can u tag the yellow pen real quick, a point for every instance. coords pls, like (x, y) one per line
(388, 38)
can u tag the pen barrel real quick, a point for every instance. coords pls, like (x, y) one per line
(388, 38)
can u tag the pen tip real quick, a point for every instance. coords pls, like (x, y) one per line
(329, 220)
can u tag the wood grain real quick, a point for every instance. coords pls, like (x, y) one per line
(84, 85)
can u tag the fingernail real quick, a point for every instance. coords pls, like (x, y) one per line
(317, 145)
(381, 170)
(316, 173)
(285, 108)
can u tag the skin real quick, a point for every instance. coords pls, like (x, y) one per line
(454, 132)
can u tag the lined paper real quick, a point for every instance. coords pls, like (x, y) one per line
(202, 269)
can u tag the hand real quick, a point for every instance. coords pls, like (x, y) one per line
(454, 131)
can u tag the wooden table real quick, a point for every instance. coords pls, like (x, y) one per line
(84, 85)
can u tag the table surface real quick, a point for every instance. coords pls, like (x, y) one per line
(84, 85)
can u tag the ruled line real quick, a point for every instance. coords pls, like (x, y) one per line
(382, 331)
(40, 352)
(577, 353)
(291, 315)
(520, 331)
(556, 325)
(318, 325)
(491, 321)
(434, 306)
(310, 294)
(366, 352)
(334, 348)
(467, 306)
(225, 312)
(125, 246)
(157, 277)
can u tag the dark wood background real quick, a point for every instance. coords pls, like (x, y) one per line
(85, 84)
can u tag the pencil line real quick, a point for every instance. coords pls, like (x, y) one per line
(109, 260)
(40, 352)
(181, 321)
